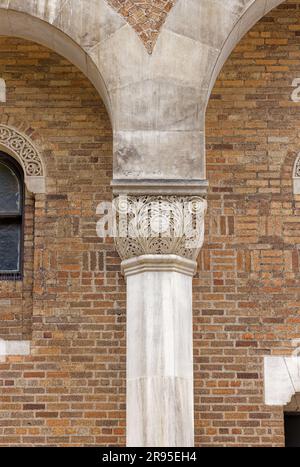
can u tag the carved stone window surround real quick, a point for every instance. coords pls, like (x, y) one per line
(20, 147)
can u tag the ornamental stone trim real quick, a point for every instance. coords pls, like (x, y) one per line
(296, 176)
(160, 225)
(27, 154)
(22, 149)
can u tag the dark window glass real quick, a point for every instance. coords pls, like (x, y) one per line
(292, 430)
(11, 218)
(9, 190)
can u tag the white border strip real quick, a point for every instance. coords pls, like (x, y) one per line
(15, 348)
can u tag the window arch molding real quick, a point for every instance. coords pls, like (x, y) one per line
(21, 148)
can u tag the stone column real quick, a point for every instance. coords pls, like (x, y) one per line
(159, 241)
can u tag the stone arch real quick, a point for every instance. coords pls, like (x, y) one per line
(255, 10)
(20, 147)
(247, 14)
(71, 31)
(160, 99)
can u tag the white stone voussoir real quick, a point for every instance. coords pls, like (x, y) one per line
(281, 379)
(14, 348)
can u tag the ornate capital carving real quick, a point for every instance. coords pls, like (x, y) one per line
(160, 225)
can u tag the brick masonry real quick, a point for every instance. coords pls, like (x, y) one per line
(16, 298)
(71, 390)
(145, 16)
(247, 299)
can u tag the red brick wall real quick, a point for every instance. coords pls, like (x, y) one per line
(247, 298)
(71, 390)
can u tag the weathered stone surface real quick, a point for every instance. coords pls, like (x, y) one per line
(212, 20)
(102, 22)
(46, 10)
(158, 155)
(159, 351)
(158, 105)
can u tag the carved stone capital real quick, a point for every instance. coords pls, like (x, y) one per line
(160, 225)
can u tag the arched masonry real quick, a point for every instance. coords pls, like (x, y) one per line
(156, 100)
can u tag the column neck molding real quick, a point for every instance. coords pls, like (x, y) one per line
(159, 187)
(159, 263)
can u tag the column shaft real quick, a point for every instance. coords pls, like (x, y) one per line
(160, 410)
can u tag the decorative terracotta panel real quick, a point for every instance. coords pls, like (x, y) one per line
(145, 16)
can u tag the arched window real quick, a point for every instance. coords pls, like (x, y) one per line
(11, 218)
